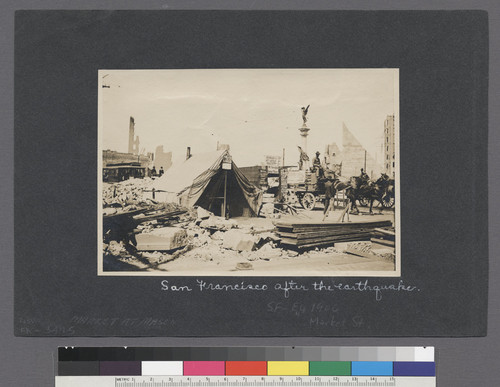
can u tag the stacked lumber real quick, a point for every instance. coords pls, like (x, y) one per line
(257, 175)
(160, 215)
(308, 235)
(384, 237)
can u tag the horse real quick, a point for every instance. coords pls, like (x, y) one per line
(360, 188)
(387, 191)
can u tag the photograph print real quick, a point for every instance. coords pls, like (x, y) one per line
(249, 172)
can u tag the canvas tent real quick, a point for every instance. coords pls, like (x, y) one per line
(201, 180)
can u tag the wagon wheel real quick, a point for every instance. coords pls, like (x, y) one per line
(388, 201)
(308, 201)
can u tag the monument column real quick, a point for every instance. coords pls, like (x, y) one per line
(304, 132)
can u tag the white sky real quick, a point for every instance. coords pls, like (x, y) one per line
(256, 112)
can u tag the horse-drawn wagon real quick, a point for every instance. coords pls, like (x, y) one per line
(305, 186)
(381, 190)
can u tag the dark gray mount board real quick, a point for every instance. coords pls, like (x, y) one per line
(443, 62)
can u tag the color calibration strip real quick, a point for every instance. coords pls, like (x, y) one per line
(254, 368)
(234, 361)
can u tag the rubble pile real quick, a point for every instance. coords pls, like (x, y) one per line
(127, 193)
(114, 248)
(217, 223)
(164, 232)
(208, 238)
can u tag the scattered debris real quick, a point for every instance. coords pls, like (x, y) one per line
(218, 223)
(244, 266)
(267, 210)
(126, 193)
(361, 249)
(202, 213)
(269, 251)
(162, 239)
(218, 236)
(115, 248)
(238, 240)
(155, 257)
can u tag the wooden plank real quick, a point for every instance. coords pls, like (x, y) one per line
(339, 238)
(383, 242)
(328, 224)
(376, 234)
(310, 226)
(325, 232)
(386, 232)
(365, 236)
(158, 216)
(129, 213)
(308, 235)
(327, 243)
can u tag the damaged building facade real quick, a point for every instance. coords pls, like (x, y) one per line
(351, 158)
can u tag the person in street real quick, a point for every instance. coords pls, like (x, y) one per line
(153, 171)
(329, 194)
(161, 172)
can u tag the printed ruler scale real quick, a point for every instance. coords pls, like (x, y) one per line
(247, 367)
(282, 381)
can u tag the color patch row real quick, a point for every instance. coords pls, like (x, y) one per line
(247, 368)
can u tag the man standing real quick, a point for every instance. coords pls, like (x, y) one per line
(329, 194)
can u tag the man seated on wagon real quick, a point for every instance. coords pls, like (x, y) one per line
(365, 179)
(317, 168)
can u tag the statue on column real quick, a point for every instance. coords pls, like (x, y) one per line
(303, 157)
(304, 113)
